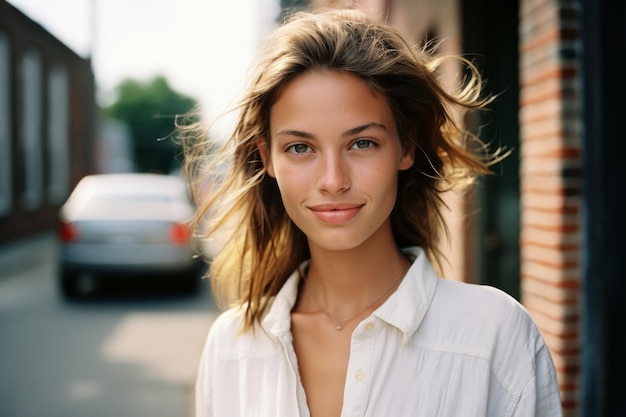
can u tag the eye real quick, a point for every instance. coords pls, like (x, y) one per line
(363, 144)
(298, 148)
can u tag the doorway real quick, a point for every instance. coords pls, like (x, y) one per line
(490, 40)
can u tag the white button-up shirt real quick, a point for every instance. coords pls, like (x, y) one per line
(434, 348)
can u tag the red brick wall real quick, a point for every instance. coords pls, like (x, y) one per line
(551, 183)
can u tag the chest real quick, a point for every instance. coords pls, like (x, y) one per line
(373, 374)
(322, 353)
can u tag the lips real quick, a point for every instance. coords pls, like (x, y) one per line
(336, 213)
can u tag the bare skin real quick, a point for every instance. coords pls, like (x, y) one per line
(336, 155)
(323, 352)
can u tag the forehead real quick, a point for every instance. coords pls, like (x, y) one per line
(326, 100)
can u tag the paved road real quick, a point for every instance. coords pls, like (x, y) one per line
(116, 355)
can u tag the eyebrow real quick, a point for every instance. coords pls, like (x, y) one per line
(350, 132)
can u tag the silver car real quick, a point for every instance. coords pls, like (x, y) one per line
(122, 225)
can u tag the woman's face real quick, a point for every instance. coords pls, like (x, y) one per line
(335, 154)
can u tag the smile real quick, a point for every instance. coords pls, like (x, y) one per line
(336, 214)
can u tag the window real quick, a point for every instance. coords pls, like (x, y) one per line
(6, 167)
(58, 135)
(30, 138)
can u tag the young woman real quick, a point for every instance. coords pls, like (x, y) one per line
(344, 144)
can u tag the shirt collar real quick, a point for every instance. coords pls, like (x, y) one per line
(404, 309)
(277, 321)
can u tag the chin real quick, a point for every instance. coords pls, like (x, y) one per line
(336, 244)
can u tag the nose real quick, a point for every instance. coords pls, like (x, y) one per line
(333, 176)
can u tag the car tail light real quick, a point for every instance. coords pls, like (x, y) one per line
(180, 234)
(67, 232)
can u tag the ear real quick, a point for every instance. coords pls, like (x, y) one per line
(408, 157)
(264, 152)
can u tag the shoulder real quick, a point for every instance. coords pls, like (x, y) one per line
(482, 306)
(484, 321)
(227, 339)
(228, 323)
(223, 332)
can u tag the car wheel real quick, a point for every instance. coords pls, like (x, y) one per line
(85, 284)
(191, 279)
(68, 285)
(76, 285)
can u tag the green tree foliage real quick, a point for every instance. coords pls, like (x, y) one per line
(151, 110)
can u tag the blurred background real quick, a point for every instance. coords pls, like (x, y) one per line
(92, 89)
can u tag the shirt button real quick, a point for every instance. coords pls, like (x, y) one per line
(369, 326)
(359, 375)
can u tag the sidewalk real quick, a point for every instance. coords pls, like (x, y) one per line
(27, 252)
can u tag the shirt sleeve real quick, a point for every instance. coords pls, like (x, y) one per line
(540, 397)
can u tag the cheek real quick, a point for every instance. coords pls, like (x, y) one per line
(291, 196)
(290, 181)
(383, 183)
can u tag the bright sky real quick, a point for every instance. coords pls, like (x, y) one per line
(203, 47)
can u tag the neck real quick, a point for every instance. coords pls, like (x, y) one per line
(343, 282)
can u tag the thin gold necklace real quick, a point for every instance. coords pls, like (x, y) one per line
(339, 323)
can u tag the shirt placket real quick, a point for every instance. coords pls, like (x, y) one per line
(358, 377)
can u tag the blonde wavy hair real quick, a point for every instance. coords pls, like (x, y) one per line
(263, 245)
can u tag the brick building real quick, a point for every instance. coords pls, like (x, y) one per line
(549, 227)
(47, 108)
